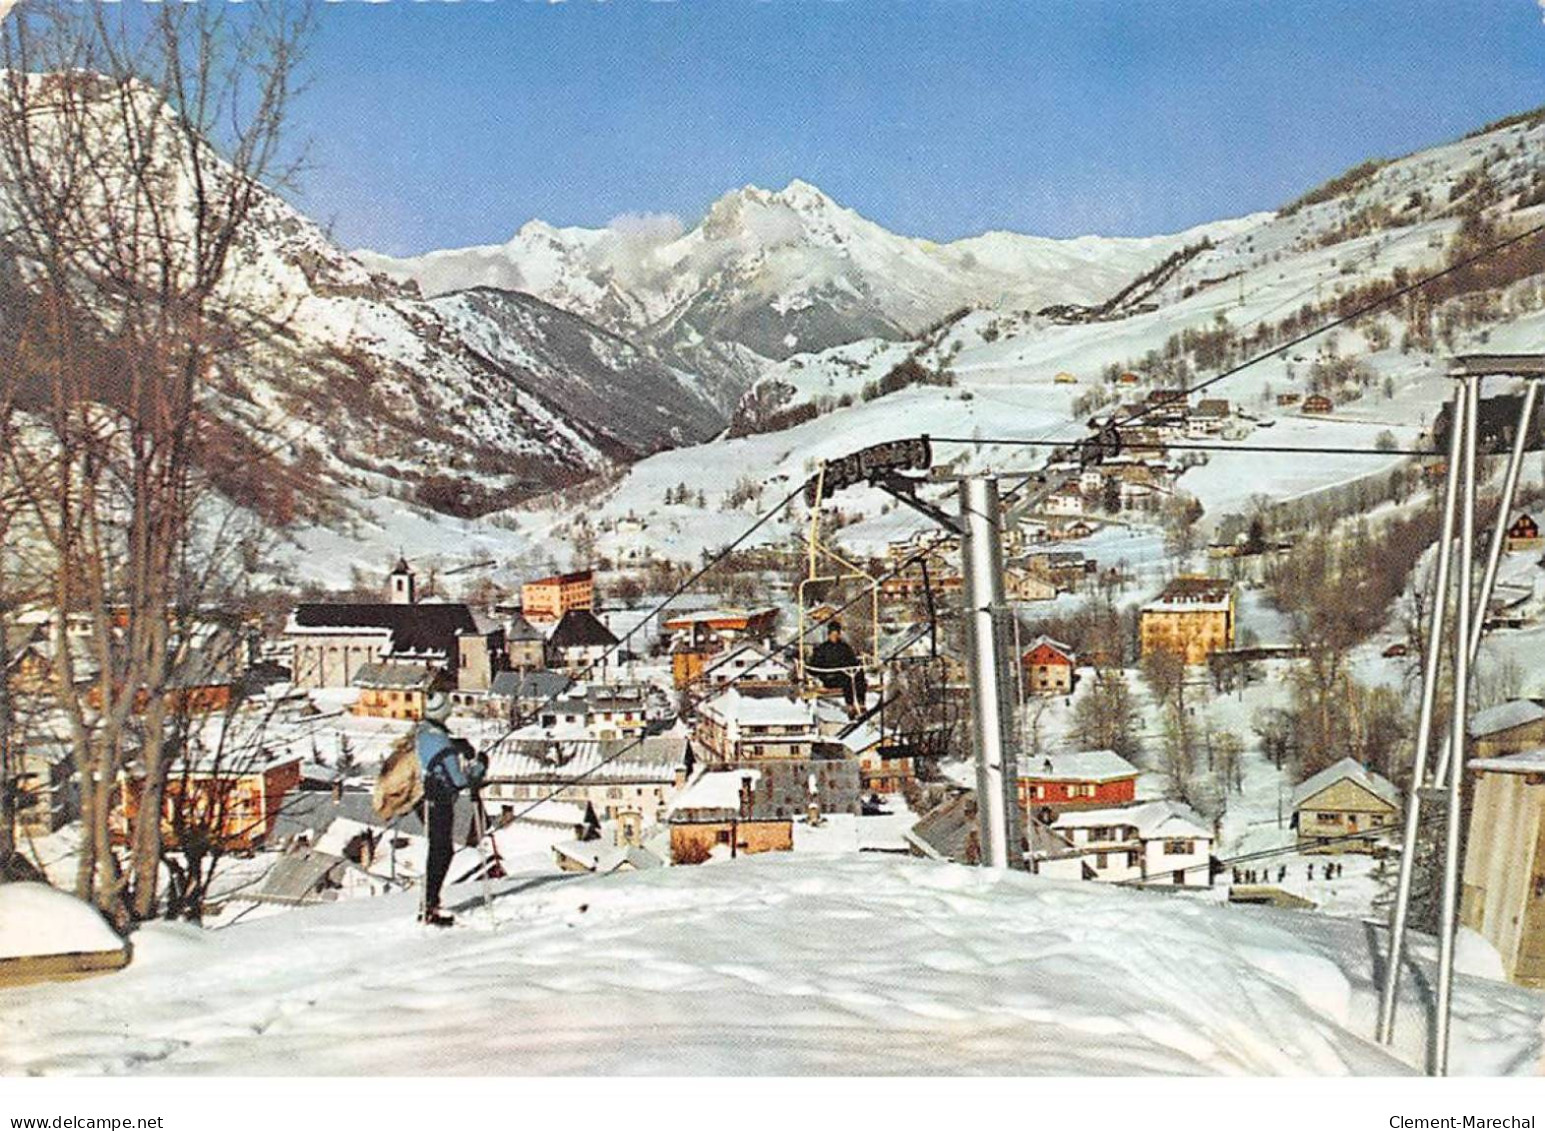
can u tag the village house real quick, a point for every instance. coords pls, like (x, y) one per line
(1048, 667)
(1334, 806)
(724, 810)
(698, 641)
(1503, 888)
(884, 766)
(1518, 724)
(305, 875)
(750, 667)
(1284, 400)
(331, 642)
(580, 643)
(1210, 417)
(615, 710)
(524, 645)
(1064, 378)
(392, 691)
(603, 857)
(481, 654)
(234, 801)
(949, 832)
(1317, 404)
(202, 683)
(911, 584)
(547, 599)
(1523, 535)
(1068, 531)
(521, 693)
(726, 626)
(1075, 779)
(1156, 842)
(28, 658)
(613, 776)
(1192, 618)
(1066, 501)
(1023, 585)
(46, 795)
(1065, 569)
(736, 727)
(939, 551)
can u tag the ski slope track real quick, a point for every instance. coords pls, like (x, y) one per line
(770, 965)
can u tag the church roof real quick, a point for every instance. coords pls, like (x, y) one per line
(418, 629)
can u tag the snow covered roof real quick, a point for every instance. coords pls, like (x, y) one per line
(652, 759)
(1347, 768)
(37, 920)
(1505, 716)
(540, 684)
(1081, 765)
(388, 675)
(603, 856)
(760, 710)
(301, 875)
(519, 630)
(1151, 819)
(1523, 762)
(1193, 594)
(1044, 641)
(716, 789)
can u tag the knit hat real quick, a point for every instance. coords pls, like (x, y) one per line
(437, 706)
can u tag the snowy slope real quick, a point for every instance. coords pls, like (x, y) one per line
(765, 965)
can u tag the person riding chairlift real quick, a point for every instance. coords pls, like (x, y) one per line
(836, 665)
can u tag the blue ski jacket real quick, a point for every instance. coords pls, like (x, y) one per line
(439, 757)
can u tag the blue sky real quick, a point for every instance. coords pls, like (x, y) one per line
(440, 124)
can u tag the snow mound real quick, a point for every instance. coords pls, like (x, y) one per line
(37, 920)
(772, 964)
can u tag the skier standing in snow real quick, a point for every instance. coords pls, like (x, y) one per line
(448, 766)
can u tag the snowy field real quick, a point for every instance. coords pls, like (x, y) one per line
(771, 965)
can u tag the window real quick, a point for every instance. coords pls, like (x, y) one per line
(1328, 818)
(1131, 859)
(1179, 847)
(1100, 859)
(723, 836)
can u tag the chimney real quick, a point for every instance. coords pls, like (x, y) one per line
(745, 798)
(338, 790)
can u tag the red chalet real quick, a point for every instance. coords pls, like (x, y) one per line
(1048, 667)
(1076, 780)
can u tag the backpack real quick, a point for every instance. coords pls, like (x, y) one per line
(400, 786)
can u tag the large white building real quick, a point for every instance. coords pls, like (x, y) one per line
(1155, 842)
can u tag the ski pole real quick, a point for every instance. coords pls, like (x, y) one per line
(480, 819)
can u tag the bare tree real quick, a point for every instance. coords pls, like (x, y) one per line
(135, 156)
(1105, 717)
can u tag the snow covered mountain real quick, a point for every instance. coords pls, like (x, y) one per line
(785, 272)
(369, 391)
(1014, 374)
